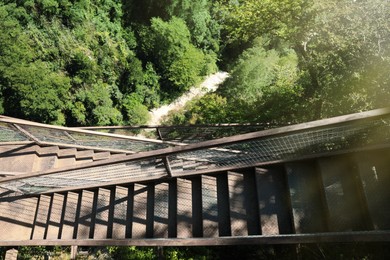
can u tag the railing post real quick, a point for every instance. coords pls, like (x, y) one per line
(73, 252)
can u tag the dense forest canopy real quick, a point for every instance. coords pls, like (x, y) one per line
(107, 62)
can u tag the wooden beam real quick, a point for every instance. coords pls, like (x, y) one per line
(331, 237)
(211, 170)
(27, 134)
(75, 130)
(217, 142)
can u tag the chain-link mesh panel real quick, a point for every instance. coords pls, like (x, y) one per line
(90, 176)
(186, 134)
(209, 206)
(9, 133)
(161, 200)
(284, 147)
(17, 218)
(194, 134)
(99, 141)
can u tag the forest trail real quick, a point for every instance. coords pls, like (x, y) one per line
(210, 84)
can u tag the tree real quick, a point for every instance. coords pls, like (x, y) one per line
(210, 109)
(346, 56)
(264, 85)
(167, 45)
(244, 21)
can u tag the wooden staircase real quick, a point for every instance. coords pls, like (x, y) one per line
(245, 189)
(321, 196)
(24, 158)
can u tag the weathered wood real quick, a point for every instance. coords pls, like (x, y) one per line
(223, 141)
(374, 170)
(139, 211)
(84, 221)
(69, 216)
(274, 201)
(41, 217)
(54, 220)
(224, 224)
(342, 197)
(329, 237)
(184, 208)
(17, 218)
(102, 214)
(161, 210)
(307, 197)
(237, 204)
(209, 206)
(119, 216)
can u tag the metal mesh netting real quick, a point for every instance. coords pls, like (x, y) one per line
(84, 139)
(8, 133)
(194, 134)
(90, 176)
(246, 153)
(186, 134)
(284, 147)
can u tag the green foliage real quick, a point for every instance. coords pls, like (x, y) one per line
(244, 21)
(29, 252)
(345, 56)
(35, 92)
(176, 59)
(263, 80)
(94, 106)
(210, 109)
(132, 253)
(135, 113)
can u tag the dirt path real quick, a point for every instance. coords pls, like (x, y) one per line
(210, 84)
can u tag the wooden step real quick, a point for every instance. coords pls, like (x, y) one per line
(374, 172)
(18, 158)
(41, 217)
(66, 157)
(308, 203)
(342, 194)
(46, 158)
(54, 219)
(17, 218)
(274, 201)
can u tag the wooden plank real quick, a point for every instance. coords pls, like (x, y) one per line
(46, 158)
(161, 210)
(184, 208)
(374, 169)
(307, 197)
(342, 196)
(54, 223)
(329, 237)
(17, 218)
(223, 205)
(69, 221)
(209, 206)
(251, 203)
(239, 225)
(225, 141)
(84, 222)
(210, 170)
(18, 159)
(139, 211)
(197, 210)
(41, 217)
(172, 208)
(120, 210)
(111, 208)
(102, 210)
(274, 201)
